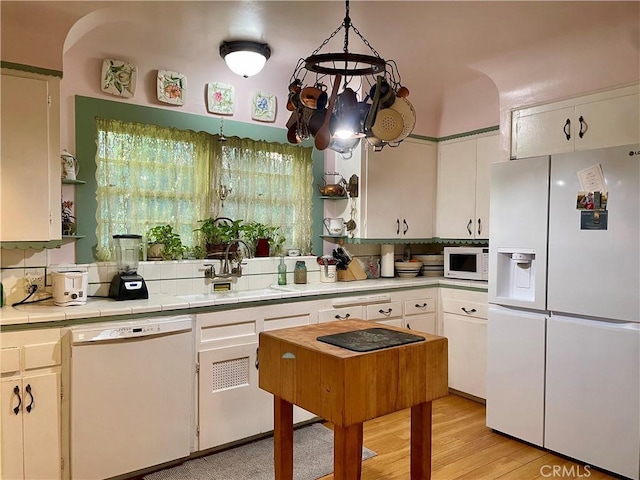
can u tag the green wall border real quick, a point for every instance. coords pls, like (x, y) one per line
(88, 108)
(30, 68)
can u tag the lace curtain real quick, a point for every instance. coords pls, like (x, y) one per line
(149, 175)
(270, 183)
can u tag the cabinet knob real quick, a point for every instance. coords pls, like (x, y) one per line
(567, 129)
(397, 226)
(468, 312)
(469, 227)
(479, 226)
(406, 227)
(422, 307)
(386, 312)
(338, 317)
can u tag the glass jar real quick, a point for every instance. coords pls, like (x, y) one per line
(300, 272)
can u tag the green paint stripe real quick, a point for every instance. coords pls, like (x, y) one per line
(468, 134)
(31, 69)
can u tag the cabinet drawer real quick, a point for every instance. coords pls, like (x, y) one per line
(10, 360)
(384, 311)
(331, 314)
(419, 305)
(464, 308)
(42, 355)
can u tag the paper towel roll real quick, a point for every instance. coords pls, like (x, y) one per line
(387, 261)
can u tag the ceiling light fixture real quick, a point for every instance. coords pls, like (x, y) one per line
(378, 83)
(245, 58)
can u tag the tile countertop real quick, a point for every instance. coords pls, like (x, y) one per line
(105, 307)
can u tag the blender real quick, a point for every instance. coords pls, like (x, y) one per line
(127, 284)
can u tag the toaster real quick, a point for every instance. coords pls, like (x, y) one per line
(69, 288)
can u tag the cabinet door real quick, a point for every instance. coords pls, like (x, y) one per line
(487, 152)
(12, 453)
(383, 192)
(425, 323)
(231, 406)
(456, 190)
(41, 426)
(607, 123)
(418, 190)
(400, 187)
(467, 353)
(544, 133)
(25, 159)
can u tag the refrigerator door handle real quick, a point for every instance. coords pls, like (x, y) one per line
(567, 129)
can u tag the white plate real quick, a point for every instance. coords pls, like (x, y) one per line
(221, 98)
(119, 78)
(171, 87)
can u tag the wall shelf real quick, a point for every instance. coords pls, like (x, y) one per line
(326, 197)
(67, 181)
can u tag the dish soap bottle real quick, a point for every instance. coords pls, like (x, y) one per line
(282, 272)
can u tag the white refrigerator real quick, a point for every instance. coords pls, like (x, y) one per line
(563, 360)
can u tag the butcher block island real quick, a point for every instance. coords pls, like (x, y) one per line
(347, 387)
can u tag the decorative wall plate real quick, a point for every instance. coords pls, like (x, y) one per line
(172, 87)
(263, 107)
(119, 78)
(221, 98)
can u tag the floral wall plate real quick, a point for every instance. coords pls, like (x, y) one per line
(263, 107)
(119, 78)
(172, 87)
(221, 98)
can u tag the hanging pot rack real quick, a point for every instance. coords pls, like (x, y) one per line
(346, 65)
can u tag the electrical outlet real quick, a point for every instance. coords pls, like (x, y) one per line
(31, 279)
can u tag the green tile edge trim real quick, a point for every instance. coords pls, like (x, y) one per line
(468, 134)
(31, 244)
(31, 69)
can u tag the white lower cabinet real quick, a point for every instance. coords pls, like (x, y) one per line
(30, 405)
(420, 314)
(231, 405)
(464, 323)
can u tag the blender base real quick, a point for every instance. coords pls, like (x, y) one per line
(128, 287)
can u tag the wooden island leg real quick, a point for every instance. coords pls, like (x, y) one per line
(347, 452)
(283, 439)
(421, 441)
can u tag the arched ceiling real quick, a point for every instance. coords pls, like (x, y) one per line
(513, 53)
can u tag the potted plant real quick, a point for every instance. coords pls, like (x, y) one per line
(261, 237)
(68, 220)
(217, 233)
(164, 243)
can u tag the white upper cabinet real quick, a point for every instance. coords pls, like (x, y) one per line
(463, 187)
(399, 194)
(594, 121)
(30, 172)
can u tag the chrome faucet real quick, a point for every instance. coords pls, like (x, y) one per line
(226, 272)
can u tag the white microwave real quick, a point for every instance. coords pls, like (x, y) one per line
(469, 263)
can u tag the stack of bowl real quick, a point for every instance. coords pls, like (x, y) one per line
(433, 265)
(408, 269)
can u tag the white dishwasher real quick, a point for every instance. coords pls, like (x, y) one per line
(131, 394)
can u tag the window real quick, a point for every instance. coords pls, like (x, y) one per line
(149, 175)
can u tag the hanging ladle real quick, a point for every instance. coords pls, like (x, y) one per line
(323, 135)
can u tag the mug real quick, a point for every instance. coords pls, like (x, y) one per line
(70, 166)
(328, 274)
(335, 226)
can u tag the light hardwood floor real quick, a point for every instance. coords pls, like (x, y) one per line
(463, 448)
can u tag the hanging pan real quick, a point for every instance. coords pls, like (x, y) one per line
(389, 125)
